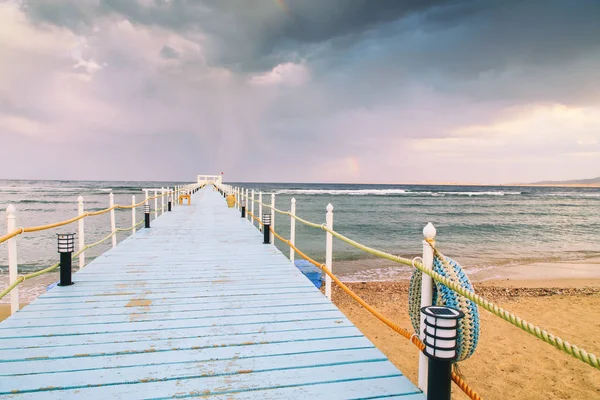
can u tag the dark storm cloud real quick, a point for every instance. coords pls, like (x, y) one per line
(434, 39)
(245, 33)
(168, 52)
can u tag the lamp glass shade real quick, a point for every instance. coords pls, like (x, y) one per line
(66, 242)
(266, 219)
(441, 331)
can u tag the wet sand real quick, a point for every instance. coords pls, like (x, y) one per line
(543, 272)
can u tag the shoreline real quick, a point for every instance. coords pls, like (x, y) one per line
(381, 270)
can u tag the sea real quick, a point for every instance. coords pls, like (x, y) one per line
(482, 227)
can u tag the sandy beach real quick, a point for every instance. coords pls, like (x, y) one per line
(508, 363)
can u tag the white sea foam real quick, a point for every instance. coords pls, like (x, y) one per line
(570, 194)
(43, 189)
(391, 274)
(349, 192)
(385, 274)
(490, 193)
(390, 192)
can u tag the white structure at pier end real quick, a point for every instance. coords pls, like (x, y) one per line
(206, 179)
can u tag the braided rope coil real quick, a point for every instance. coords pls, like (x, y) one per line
(468, 326)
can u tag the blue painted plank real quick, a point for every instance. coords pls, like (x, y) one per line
(173, 308)
(139, 314)
(168, 357)
(200, 302)
(76, 329)
(167, 334)
(358, 389)
(236, 381)
(179, 344)
(201, 368)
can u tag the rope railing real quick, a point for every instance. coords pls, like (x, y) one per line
(13, 267)
(513, 319)
(23, 278)
(538, 332)
(413, 338)
(19, 231)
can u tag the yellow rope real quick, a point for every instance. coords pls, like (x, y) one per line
(404, 332)
(414, 339)
(19, 231)
(51, 268)
(11, 235)
(513, 319)
(256, 219)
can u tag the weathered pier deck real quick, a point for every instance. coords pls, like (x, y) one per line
(195, 306)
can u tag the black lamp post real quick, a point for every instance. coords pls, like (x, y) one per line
(243, 208)
(266, 219)
(441, 325)
(66, 246)
(146, 215)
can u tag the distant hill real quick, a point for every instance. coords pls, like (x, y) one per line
(591, 182)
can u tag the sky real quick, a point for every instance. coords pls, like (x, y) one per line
(387, 91)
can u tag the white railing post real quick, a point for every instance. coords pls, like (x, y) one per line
(237, 197)
(133, 215)
(259, 210)
(292, 228)
(252, 208)
(113, 225)
(155, 204)
(162, 200)
(272, 217)
(13, 269)
(247, 201)
(426, 297)
(81, 233)
(329, 249)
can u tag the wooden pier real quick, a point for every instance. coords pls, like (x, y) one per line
(195, 306)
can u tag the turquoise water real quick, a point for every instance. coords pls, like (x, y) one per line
(482, 227)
